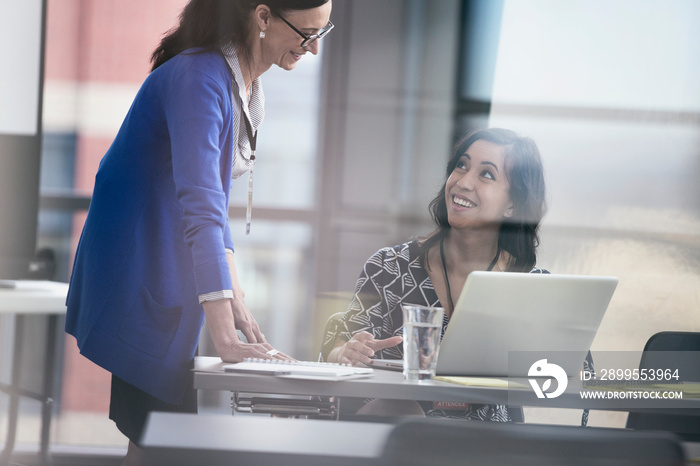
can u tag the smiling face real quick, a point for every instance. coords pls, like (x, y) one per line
(477, 191)
(282, 45)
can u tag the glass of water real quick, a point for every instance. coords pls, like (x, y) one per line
(421, 341)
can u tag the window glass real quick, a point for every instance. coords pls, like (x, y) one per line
(285, 166)
(608, 92)
(97, 57)
(275, 271)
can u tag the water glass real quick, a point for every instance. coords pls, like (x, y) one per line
(421, 341)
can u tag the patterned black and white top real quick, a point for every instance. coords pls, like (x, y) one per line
(391, 277)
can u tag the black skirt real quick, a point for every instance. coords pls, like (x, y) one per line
(129, 407)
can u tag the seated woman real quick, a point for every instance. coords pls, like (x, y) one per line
(488, 214)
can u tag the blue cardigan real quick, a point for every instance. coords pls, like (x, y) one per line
(157, 228)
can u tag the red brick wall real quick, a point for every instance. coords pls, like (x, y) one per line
(105, 41)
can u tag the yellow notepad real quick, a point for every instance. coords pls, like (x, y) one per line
(481, 382)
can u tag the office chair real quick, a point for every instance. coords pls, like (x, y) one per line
(447, 442)
(330, 332)
(686, 426)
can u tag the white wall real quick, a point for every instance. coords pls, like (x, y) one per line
(20, 26)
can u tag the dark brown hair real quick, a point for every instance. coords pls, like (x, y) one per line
(209, 23)
(519, 234)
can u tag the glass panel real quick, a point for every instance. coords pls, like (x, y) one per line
(286, 155)
(275, 273)
(615, 115)
(57, 175)
(481, 21)
(641, 56)
(276, 276)
(87, 93)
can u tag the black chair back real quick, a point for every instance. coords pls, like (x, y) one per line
(446, 442)
(686, 424)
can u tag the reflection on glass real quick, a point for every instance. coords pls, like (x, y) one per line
(276, 275)
(285, 159)
(81, 118)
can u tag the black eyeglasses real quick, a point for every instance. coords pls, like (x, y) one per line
(308, 40)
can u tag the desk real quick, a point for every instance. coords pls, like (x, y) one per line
(174, 439)
(209, 375)
(32, 298)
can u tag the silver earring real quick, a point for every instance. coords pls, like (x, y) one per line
(262, 34)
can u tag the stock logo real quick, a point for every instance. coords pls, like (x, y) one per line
(541, 369)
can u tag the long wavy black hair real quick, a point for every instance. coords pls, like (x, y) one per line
(519, 234)
(209, 23)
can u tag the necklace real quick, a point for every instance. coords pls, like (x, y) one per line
(444, 269)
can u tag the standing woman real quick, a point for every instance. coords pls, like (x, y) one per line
(156, 254)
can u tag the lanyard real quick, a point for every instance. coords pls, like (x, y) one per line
(444, 269)
(252, 138)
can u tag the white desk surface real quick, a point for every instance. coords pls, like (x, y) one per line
(265, 440)
(209, 375)
(34, 297)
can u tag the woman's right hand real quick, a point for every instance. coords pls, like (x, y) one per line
(237, 351)
(360, 349)
(222, 328)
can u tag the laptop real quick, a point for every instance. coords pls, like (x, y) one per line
(533, 316)
(539, 316)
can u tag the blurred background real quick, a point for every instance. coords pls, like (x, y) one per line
(354, 146)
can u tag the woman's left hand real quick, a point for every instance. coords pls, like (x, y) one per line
(245, 322)
(222, 327)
